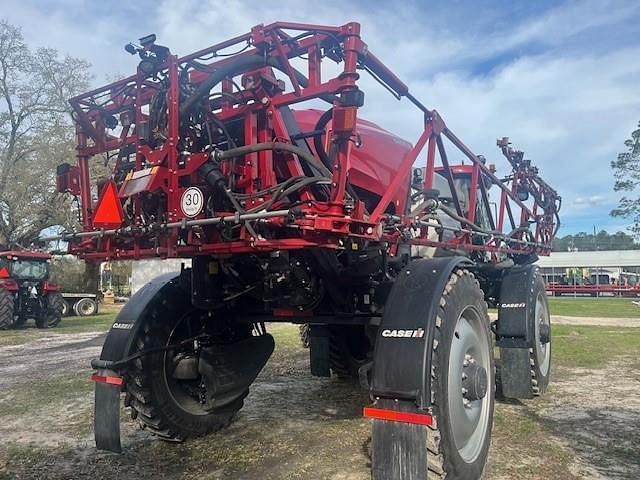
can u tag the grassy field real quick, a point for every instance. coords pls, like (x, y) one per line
(590, 346)
(594, 307)
(95, 323)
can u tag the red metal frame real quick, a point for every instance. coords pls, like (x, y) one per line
(257, 104)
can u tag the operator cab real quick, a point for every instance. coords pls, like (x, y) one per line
(462, 179)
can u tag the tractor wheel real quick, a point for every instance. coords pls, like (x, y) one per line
(304, 335)
(53, 314)
(540, 354)
(20, 321)
(85, 307)
(462, 382)
(162, 398)
(349, 349)
(6, 309)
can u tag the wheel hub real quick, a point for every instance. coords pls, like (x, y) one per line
(545, 332)
(474, 381)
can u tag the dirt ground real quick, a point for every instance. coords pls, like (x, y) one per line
(295, 426)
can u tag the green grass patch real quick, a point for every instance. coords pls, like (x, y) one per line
(592, 347)
(95, 323)
(594, 307)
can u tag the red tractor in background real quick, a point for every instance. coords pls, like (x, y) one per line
(311, 216)
(25, 290)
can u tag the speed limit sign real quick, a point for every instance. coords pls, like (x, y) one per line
(192, 201)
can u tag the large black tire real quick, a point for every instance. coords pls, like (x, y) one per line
(53, 315)
(7, 304)
(349, 349)
(148, 390)
(540, 354)
(462, 328)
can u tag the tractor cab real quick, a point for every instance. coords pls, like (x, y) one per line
(24, 283)
(30, 268)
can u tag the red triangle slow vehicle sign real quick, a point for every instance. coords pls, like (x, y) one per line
(109, 209)
(4, 273)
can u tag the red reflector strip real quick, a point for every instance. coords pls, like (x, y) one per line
(395, 416)
(110, 380)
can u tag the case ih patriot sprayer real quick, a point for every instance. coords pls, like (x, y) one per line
(386, 249)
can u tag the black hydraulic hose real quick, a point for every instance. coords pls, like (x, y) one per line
(287, 191)
(212, 174)
(276, 147)
(236, 67)
(100, 364)
(317, 139)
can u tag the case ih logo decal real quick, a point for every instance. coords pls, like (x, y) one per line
(512, 305)
(417, 333)
(122, 326)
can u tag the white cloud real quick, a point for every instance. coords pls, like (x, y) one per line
(591, 201)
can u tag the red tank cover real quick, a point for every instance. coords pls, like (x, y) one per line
(376, 160)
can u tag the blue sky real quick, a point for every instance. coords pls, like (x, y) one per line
(561, 79)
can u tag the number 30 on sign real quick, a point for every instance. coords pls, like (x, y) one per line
(192, 202)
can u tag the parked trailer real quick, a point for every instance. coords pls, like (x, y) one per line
(80, 304)
(313, 217)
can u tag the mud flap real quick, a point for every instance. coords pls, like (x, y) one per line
(515, 332)
(394, 453)
(106, 421)
(515, 373)
(319, 350)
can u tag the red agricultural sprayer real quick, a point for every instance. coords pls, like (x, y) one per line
(294, 212)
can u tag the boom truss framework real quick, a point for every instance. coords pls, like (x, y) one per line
(159, 115)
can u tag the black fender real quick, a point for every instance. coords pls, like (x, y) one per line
(515, 325)
(116, 347)
(125, 328)
(402, 356)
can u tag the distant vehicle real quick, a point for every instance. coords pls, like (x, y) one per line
(26, 292)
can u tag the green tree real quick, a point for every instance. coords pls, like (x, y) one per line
(626, 170)
(35, 135)
(603, 240)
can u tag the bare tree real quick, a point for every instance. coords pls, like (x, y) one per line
(35, 134)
